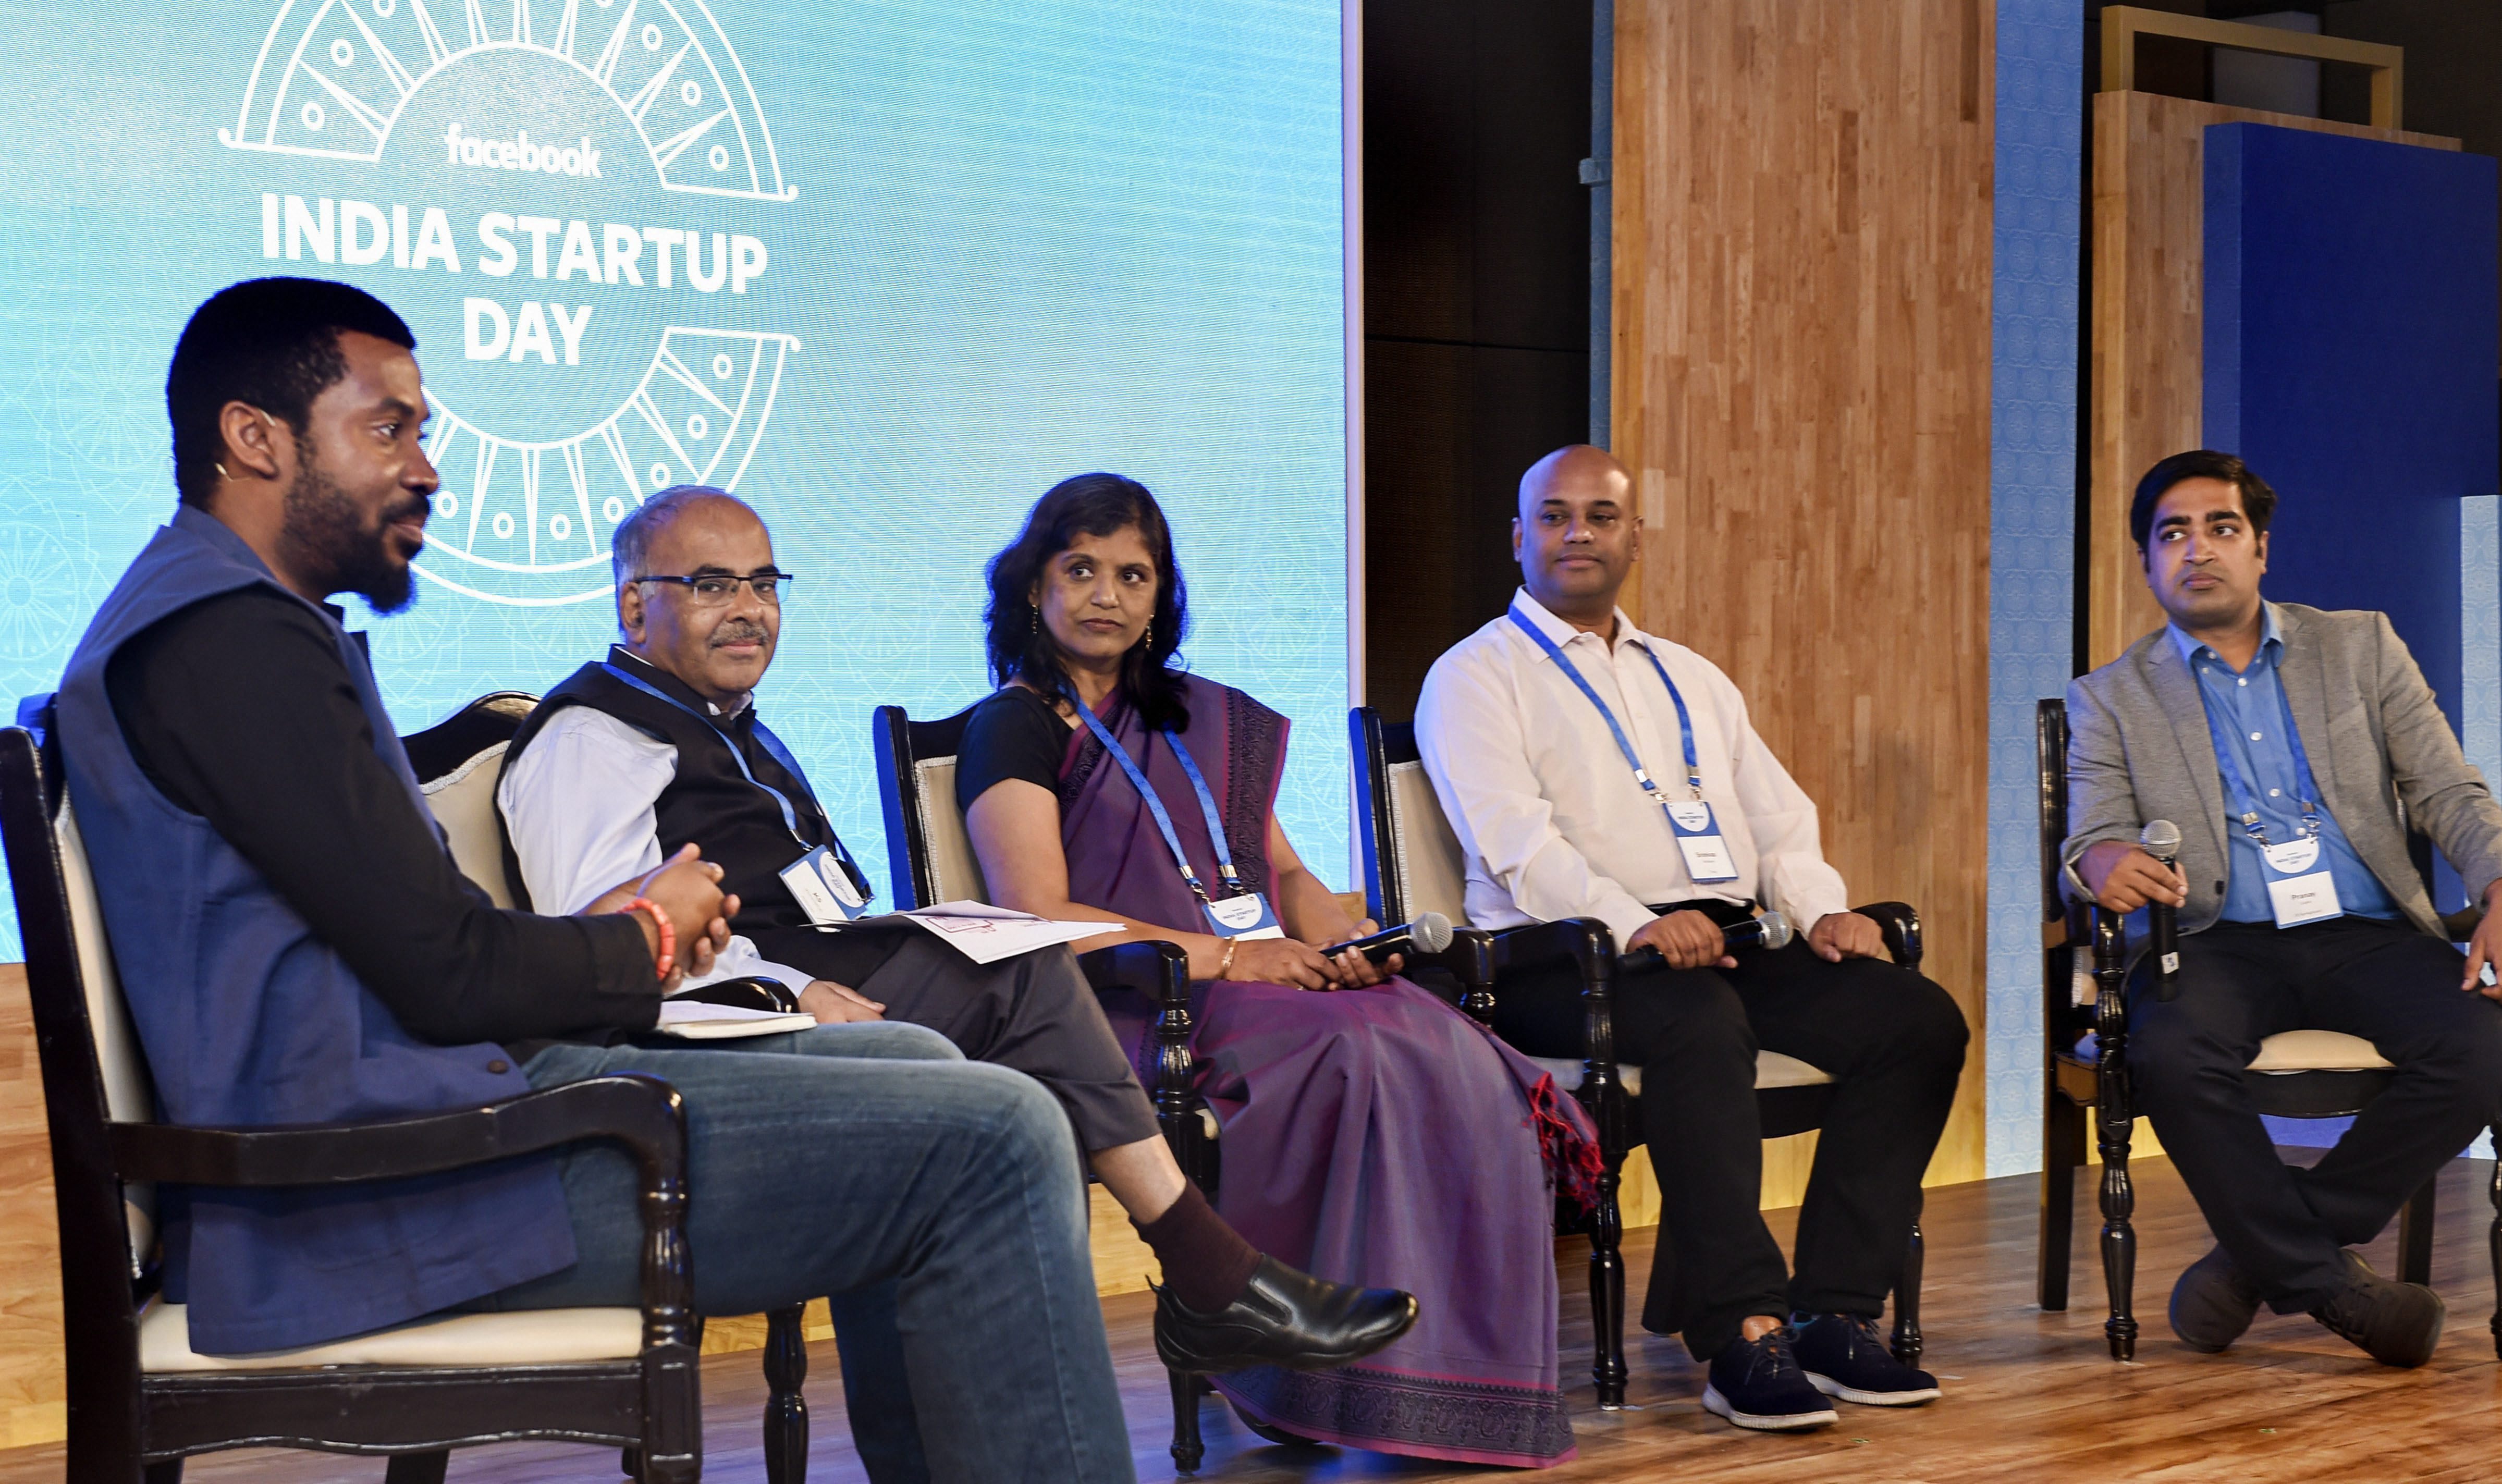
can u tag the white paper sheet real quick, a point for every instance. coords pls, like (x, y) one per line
(695, 1020)
(986, 934)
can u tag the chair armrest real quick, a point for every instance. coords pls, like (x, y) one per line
(640, 1112)
(1158, 970)
(1900, 922)
(1471, 958)
(1585, 940)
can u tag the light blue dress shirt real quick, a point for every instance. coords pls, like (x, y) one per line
(2247, 713)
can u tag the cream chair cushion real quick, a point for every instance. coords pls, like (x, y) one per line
(1431, 861)
(1771, 1069)
(528, 1338)
(463, 802)
(955, 875)
(129, 1098)
(2317, 1051)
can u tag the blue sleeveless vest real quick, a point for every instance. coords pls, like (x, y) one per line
(247, 1017)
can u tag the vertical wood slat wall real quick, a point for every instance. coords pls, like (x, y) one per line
(1801, 367)
(2149, 357)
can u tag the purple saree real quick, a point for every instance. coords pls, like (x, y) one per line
(1375, 1136)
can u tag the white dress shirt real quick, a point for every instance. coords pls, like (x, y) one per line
(579, 805)
(1547, 809)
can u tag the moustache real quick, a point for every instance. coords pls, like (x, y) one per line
(738, 633)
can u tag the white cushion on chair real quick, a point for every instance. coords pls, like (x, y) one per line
(955, 873)
(129, 1098)
(1431, 862)
(1771, 1069)
(463, 802)
(2317, 1051)
(525, 1337)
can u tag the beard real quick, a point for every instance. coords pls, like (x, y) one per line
(324, 530)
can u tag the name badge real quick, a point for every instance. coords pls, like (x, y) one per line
(1247, 916)
(823, 888)
(2298, 893)
(1697, 837)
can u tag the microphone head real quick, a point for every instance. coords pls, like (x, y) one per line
(1431, 933)
(1777, 929)
(2161, 839)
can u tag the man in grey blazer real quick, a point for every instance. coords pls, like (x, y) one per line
(2293, 747)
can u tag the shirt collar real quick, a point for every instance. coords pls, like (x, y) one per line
(1564, 633)
(2270, 639)
(745, 704)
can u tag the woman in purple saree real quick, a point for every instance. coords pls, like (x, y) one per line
(1371, 1133)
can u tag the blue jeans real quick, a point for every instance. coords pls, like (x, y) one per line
(939, 1202)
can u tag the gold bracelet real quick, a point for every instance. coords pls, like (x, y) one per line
(1226, 963)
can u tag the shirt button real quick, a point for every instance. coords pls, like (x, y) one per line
(2272, 793)
(499, 1067)
(2241, 682)
(2255, 736)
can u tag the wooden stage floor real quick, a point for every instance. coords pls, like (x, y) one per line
(2029, 1396)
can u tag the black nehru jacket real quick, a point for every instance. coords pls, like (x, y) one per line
(711, 802)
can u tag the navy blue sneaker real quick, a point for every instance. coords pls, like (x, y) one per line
(1843, 1357)
(1758, 1384)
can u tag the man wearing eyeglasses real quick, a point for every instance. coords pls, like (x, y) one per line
(657, 745)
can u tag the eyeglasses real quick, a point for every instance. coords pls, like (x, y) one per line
(715, 588)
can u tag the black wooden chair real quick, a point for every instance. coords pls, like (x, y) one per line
(141, 1399)
(1413, 862)
(2084, 1013)
(457, 762)
(930, 860)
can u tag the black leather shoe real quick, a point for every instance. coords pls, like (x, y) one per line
(2213, 1302)
(2396, 1323)
(1283, 1318)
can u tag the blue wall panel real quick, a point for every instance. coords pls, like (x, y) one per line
(2350, 313)
(2036, 206)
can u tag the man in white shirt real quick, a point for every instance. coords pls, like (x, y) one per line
(1593, 770)
(660, 744)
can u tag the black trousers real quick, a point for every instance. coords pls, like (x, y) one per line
(1894, 1043)
(2242, 982)
(1034, 1013)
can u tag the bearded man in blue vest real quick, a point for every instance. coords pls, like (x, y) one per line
(297, 946)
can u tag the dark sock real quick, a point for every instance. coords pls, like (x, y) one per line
(1207, 1264)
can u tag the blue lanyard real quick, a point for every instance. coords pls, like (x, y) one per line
(781, 754)
(1624, 745)
(2245, 799)
(1156, 806)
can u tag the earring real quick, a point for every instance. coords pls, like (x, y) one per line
(1147, 640)
(1033, 620)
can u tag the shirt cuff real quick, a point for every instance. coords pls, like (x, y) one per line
(629, 993)
(1623, 916)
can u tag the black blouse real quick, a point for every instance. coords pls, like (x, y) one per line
(1013, 734)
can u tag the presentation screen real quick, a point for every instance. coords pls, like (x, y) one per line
(887, 269)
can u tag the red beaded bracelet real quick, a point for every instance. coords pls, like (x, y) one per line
(667, 957)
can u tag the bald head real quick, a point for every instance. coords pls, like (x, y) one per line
(1575, 535)
(1574, 467)
(719, 643)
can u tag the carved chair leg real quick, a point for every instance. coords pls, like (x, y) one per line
(2063, 1136)
(2415, 1236)
(417, 1467)
(1187, 1449)
(1907, 1341)
(786, 1408)
(629, 1462)
(2493, 1242)
(2113, 1107)
(1608, 1287)
(170, 1471)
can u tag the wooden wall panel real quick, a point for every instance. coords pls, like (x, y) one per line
(2148, 374)
(34, 1404)
(1801, 386)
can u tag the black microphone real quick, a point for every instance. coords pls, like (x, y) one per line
(2161, 839)
(1429, 933)
(1770, 931)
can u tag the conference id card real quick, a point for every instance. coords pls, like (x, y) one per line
(1699, 839)
(823, 889)
(1247, 916)
(2299, 893)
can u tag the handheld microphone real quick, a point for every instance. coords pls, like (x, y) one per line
(1770, 931)
(1429, 933)
(2161, 839)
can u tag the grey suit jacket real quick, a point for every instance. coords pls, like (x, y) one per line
(2384, 755)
